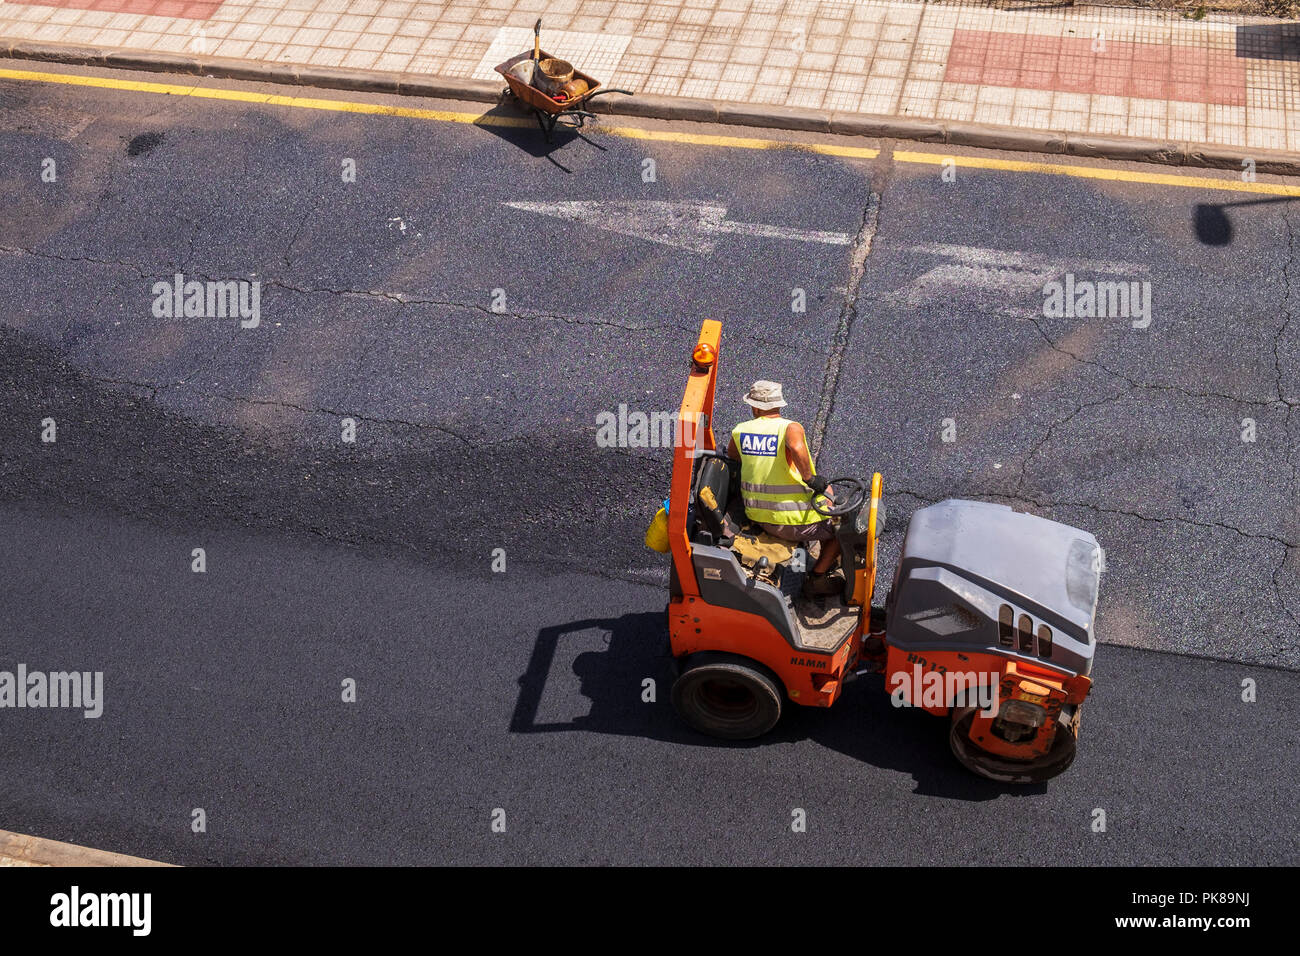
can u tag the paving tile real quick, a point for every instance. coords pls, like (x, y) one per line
(704, 70)
(817, 61)
(955, 110)
(823, 44)
(308, 37)
(806, 98)
(1105, 124)
(50, 32)
(372, 43)
(993, 113)
(360, 59)
(353, 23)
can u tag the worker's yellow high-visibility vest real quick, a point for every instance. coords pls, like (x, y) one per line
(770, 486)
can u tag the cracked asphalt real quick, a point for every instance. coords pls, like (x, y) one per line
(476, 430)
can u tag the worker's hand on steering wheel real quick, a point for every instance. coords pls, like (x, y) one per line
(817, 483)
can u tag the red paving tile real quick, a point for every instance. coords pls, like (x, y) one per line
(1149, 88)
(1116, 68)
(185, 9)
(1040, 62)
(1109, 86)
(964, 74)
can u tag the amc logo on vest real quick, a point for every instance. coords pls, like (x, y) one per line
(764, 445)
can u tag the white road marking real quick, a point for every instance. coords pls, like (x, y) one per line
(1002, 273)
(979, 255)
(684, 225)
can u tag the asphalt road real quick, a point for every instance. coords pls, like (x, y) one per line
(477, 430)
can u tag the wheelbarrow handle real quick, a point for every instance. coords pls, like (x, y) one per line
(609, 89)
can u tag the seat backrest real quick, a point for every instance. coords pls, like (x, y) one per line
(716, 474)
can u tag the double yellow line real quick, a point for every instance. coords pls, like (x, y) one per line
(665, 136)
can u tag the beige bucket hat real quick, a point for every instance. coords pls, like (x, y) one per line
(765, 396)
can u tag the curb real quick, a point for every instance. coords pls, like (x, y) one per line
(979, 135)
(19, 850)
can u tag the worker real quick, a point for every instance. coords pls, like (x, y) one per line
(778, 481)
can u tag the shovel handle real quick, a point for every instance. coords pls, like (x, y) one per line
(537, 39)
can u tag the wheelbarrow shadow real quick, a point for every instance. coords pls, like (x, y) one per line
(514, 124)
(863, 724)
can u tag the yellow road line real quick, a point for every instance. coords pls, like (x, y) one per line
(631, 132)
(740, 142)
(441, 116)
(244, 96)
(1099, 172)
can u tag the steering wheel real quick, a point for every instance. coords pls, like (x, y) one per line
(857, 495)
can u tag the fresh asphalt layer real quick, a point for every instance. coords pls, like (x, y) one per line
(522, 690)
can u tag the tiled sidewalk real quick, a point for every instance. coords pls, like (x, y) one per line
(1223, 81)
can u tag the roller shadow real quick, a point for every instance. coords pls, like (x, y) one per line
(863, 724)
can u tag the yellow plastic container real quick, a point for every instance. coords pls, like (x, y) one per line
(656, 536)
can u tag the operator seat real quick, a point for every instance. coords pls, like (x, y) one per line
(719, 475)
(724, 524)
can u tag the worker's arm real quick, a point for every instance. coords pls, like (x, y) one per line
(796, 453)
(796, 450)
(732, 450)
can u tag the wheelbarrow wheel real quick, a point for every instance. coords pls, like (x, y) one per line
(727, 696)
(1004, 770)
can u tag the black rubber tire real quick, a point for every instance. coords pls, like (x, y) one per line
(727, 696)
(985, 764)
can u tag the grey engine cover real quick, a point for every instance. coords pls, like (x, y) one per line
(963, 560)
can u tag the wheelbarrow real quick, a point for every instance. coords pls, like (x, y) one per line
(546, 108)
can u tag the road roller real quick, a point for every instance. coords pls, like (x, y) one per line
(988, 620)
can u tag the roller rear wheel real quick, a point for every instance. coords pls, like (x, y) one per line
(728, 697)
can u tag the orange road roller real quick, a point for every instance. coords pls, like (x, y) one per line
(988, 620)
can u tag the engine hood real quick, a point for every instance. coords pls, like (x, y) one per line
(1047, 568)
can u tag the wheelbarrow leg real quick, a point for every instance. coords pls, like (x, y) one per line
(547, 123)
